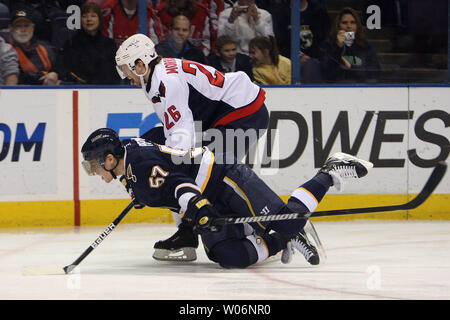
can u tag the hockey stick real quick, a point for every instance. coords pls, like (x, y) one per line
(433, 181)
(101, 237)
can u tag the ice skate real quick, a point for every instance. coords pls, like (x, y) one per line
(300, 243)
(179, 247)
(341, 166)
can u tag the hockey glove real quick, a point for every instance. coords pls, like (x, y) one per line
(200, 214)
(127, 186)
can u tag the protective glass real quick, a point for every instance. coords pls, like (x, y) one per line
(91, 167)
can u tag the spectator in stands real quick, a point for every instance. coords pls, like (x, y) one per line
(203, 34)
(177, 44)
(315, 25)
(42, 28)
(37, 59)
(89, 57)
(269, 66)
(245, 21)
(100, 2)
(227, 59)
(121, 20)
(347, 55)
(281, 20)
(9, 64)
(215, 7)
(4, 21)
(50, 19)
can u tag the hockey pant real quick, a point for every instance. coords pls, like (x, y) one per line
(245, 194)
(233, 141)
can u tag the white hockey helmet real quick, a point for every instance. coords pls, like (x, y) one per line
(138, 46)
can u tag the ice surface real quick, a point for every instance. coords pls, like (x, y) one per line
(366, 260)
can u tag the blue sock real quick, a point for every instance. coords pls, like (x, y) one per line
(304, 199)
(275, 242)
(318, 186)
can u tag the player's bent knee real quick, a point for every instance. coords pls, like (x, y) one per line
(235, 253)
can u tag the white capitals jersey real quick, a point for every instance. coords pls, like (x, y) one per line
(184, 91)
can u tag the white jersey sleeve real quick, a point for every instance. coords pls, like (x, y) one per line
(173, 110)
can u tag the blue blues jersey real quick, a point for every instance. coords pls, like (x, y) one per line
(161, 176)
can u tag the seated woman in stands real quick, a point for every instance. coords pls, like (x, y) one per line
(89, 57)
(269, 67)
(347, 56)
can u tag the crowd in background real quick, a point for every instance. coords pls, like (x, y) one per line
(57, 42)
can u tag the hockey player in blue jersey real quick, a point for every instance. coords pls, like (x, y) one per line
(191, 183)
(184, 94)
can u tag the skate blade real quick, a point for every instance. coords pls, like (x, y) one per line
(181, 255)
(42, 270)
(286, 255)
(311, 231)
(271, 259)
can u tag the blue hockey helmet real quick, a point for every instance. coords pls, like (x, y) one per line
(98, 145)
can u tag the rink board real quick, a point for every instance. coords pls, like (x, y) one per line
(103, 212)
(403, 130)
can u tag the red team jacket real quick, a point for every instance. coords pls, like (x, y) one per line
(119, 27)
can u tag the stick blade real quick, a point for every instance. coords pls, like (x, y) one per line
(68, 269)
(42, 270)
(431, 184)
(436, 176)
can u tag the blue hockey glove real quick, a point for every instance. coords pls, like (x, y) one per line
(127, 186)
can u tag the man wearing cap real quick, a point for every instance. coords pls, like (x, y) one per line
(37, 59)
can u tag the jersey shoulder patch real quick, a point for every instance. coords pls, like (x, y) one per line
(160, 94)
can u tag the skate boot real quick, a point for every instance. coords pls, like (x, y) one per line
(300, 243)
(179, 247)
(341, 166)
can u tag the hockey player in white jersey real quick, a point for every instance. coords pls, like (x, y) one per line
(184, 93)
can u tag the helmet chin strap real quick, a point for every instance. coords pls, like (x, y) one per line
(111, 171)
(113, 174)
(142, 77)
